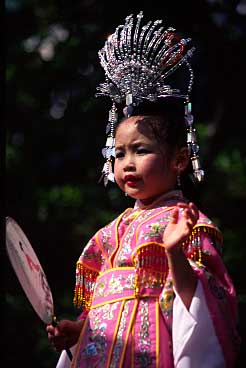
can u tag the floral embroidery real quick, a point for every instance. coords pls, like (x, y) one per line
(142, 357)
(115, 285)
(106, 239)
(156, 231)
(119, 338)
(90, 350)
(123, 258)
(108, 310)
(95, 350)
(128, 218)
(100, 288)
(97, 346)
(92, 254)
(166, 299)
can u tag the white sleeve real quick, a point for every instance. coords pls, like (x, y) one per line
(195, 343)
(64, 361)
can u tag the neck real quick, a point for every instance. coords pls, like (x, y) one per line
(173, 194)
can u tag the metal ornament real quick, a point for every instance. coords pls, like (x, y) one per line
(137, 60)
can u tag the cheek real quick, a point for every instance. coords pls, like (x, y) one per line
(116, 168)
(154, 167)
(117, 172)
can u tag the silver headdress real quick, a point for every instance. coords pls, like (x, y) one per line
(137, 60)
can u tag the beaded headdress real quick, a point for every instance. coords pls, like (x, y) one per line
(137, 60)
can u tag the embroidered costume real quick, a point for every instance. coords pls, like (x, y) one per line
(125, 289)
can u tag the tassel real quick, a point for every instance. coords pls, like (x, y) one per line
(192, 246)
(84, 288)
(151, 267)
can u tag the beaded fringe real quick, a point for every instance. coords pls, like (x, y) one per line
(192, 246)
(150, 264)
(84, 288)
(151, 267)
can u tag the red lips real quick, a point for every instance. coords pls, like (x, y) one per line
(131, 180)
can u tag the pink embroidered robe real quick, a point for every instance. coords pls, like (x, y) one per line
(125, 289)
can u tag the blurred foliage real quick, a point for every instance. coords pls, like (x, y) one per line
(55, 131)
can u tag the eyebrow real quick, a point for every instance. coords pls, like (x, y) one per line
(134, 145)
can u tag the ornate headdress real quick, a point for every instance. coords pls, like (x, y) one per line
(137, 59)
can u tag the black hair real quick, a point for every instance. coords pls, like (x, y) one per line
(164, 120)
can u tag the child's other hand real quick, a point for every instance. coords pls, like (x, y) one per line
(65, 334)
(178, 229)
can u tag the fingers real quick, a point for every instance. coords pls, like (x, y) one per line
(174, 216)
(51, 332)
(58, 342)
(194, 210)
(55, 337)
(189, 210)
(50, 329)
(190, 215)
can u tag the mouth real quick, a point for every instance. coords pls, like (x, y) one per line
(131, 180)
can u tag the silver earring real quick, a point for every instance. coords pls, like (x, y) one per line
(178, 181)
(126, 194)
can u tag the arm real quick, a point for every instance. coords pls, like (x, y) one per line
(210, 320)
(176, 232)
(192, 329)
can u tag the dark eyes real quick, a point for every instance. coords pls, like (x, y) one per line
(119, 154)
(142, 151)
(138, 151)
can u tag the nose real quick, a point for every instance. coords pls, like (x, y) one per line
(129, 164)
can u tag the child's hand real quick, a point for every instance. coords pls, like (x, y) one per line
(65, 334)
(178, 229)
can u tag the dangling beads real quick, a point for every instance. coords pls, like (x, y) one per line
(128, 109)
(84, 288)
(109, 150)
(178, 181)
(151, 267)
(192, 144)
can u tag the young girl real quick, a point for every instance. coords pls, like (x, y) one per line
(152, 285)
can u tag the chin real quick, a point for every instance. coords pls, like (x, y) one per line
(136, 195)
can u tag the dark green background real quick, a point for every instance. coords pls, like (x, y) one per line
(55, 131)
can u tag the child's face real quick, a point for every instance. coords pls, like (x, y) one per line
(141, 169)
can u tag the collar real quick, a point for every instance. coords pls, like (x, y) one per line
(162, 200)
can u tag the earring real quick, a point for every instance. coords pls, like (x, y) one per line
(178, 181)
(126, 194)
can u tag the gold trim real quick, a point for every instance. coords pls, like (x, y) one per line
(75, 355)
(133, 314)
(128, 297)
(113, 301)
(114, 253)
(143, 246)
(133, 347)
(115, 334)
(86, 266)
(125, 268)
(157, 310)
(118, 249)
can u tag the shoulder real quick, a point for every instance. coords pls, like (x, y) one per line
(205, 224)
(205, 220)
(117, 219)
(206, 229)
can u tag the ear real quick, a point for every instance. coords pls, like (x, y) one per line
(181, 159)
